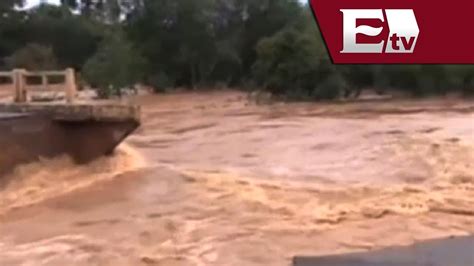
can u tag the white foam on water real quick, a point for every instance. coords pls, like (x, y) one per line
(49, 178)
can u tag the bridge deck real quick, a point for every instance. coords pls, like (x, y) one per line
(75, 112)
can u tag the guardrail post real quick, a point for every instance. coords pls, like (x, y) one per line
(19, 83)
(44, 81)
(71, 89)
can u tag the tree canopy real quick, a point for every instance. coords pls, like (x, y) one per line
(265, 44)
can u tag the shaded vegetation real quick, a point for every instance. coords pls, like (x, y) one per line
(115, 66)
(254, 44)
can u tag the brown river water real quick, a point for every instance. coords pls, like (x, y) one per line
(211, 179)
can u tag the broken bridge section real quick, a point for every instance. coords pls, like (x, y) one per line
(84, 132)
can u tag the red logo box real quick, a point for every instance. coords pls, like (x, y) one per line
(397, 31)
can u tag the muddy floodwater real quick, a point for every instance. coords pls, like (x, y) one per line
(211, 179)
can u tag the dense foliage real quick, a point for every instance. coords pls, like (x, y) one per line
(255, 44)
(115, 66)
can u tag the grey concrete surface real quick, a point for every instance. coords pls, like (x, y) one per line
(447, 252)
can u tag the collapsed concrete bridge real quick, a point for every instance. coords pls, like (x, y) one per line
(85, 131)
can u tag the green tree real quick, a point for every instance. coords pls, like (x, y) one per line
(7, 6)
(12, 29)
(178, 39)
(114, 67)
(195, 43)
(73, 38)
(261, 19)
(107, 11)
(293, 63)
(33, 57)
